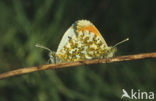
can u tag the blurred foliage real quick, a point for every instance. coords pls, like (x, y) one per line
(26, 22)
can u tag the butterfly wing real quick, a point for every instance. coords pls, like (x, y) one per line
(87, 25)
(67, 35)
(81, 41)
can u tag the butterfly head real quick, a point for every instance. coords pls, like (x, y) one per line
(52, 55)
(110, 51)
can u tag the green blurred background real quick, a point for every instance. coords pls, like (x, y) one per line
(26, 22)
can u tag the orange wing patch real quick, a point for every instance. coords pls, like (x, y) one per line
(90, 28)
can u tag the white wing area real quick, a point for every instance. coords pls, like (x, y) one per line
(67, 35)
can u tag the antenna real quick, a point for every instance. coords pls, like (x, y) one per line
(40, 46)
(120, 42)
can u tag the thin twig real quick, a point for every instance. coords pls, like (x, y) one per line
(77, 63)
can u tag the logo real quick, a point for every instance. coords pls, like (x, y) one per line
(80, 42)
(138, 94)
(125, 94)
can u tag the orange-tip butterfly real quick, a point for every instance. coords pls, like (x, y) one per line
(80, 42)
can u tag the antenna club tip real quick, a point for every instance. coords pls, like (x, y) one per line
(127, 39)
(37, 45)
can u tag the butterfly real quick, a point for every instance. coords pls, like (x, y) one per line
(80, 42)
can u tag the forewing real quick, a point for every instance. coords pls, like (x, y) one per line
(83, 25)
(67, 35)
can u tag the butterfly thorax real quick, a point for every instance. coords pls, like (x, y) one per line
(54, 58)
